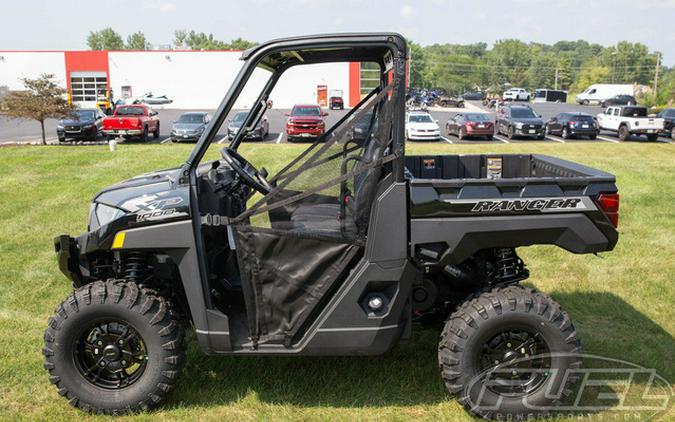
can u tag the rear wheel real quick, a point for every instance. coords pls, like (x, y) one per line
(623, 133)
(592, 137)
(565, 133)
(489, 137)
(672, 133)
(503, 351)
(653, 137)
(114, 347)
(144, 136)
(155, 134)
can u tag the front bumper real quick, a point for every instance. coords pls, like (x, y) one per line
(424, 136)
(78, 134)
(529, 132)
(304, 133)
(67, 255)
(185, 136)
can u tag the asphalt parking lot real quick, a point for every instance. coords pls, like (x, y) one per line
(21, 131)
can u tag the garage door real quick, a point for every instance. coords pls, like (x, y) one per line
(86, 86)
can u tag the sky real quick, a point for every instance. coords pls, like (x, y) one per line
(64, 25)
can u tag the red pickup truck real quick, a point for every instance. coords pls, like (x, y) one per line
(305, 121)
(132, 120)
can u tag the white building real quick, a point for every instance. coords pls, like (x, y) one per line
(192, 79)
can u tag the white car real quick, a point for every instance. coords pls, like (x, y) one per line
(630, 120)
(516, 94)
(420, 126)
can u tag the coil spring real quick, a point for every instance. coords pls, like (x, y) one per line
(509, 267)
(135, 267)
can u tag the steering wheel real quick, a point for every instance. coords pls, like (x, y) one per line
(249, 174)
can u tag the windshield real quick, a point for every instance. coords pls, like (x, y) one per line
(129, 111)
(83, 115)
(306, 111)
(420, 118)
(477, 117)
(239, 117)
(191, 118)
(523, 113)
(669, 113)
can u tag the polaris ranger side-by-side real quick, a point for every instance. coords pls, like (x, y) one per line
(344, 251)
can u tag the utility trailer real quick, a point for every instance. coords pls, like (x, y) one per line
(346, 250)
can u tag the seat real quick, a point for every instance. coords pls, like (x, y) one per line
(326, 217)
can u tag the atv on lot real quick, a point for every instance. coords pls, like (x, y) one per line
(345, 251)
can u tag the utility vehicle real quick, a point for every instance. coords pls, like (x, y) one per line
(346, 250)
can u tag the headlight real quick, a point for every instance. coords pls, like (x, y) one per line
(519, 125)
(200, 129)
(59, 126)
(104, 214)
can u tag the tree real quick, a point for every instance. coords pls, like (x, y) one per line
(41, 100)
(105, 39)
(137, 41)
(193, 40)
(590, 75)
(241, 44)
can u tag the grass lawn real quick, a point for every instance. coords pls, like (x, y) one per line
(622, 305)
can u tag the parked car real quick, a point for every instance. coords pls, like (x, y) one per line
(151, 99)
(519, 120)
(597, 93)
(516, 94)
(189, 126)
(466, 125)
(569, 125)
(619, 100)
(473, 96)
(420, 126)
(668, 116)
(261, 130)
(84, 124)
(136, 120)
(630, 120)
(305, 121)
(447, 101)
(360, 130)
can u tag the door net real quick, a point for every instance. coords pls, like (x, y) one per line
(296, 244)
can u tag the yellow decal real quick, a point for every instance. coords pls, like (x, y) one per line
(118, 243)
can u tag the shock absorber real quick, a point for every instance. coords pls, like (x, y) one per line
(135, 267)
(508, 267)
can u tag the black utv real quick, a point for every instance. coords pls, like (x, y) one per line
(346, 250)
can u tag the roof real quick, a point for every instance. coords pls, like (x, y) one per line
(323, 48)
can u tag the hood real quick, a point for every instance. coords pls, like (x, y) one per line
(528, 120)
(187, 126)
(314, 119)
(422, 125)
(128, 194)
(71, 121)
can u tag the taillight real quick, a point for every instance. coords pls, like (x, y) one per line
(573, 123)
(609, 203)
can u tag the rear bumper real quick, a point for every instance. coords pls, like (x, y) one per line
(67, 256)
(480, 132)
(131, 132)
(583, 132)
(645, 131)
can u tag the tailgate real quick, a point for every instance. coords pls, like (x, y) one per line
(121, 123)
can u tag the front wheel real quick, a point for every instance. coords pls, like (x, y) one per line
(503, 352)
(114, 347)
(623, 133)
(155, 133)
(510, 133)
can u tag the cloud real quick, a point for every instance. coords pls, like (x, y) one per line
(407, 11)
(160, 6)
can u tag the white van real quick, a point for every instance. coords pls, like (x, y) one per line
(597, 93)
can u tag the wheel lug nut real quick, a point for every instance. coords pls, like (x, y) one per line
(124, 362)
(121, 342)
(102, 363)
(508, 344)
(496, 362)
(100, 343)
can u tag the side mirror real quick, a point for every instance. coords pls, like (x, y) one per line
(270, 103)
(436, 121)
(287, 114)
(324, 114)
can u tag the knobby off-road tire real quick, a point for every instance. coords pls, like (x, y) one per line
(479, 320)
(149, 315)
